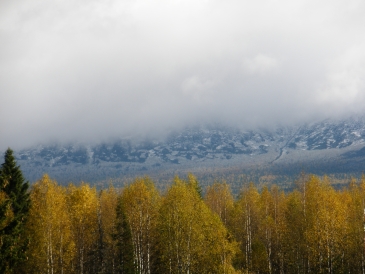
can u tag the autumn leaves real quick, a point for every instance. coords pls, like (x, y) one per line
(77, 229)
(193, 238)
(80, 230)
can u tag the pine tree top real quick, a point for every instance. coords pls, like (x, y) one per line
(15, 188)
(13, 183)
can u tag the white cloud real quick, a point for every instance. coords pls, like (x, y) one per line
(260, 64)
(345, 81)
(196, 89)
(91, 69)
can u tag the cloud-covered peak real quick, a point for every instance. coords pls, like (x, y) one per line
(89, 70)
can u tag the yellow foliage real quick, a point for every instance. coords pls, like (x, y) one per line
(51, 245)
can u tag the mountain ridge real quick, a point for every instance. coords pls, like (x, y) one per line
(329, 142)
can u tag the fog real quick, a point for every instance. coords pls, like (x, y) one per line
(91, 70)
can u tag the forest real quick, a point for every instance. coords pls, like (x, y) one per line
(139, 229)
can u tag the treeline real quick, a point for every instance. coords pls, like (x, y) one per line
(77, 229)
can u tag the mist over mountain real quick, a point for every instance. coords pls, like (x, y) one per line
(92, 90)
(235, 91)
(92, 71)
(329, 146)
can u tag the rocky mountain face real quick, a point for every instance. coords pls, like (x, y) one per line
(328, 142)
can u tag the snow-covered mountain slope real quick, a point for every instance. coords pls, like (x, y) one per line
(328, 143)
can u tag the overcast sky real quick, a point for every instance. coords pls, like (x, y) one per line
(90, 70)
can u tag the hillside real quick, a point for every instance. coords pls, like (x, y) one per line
(330, 146)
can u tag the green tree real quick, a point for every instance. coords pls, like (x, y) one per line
(15, 189)
(279, 227)
(107, 217)
(6, 213)
(124, 244)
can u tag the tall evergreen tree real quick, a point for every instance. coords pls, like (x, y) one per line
(123, 238)
(12, 245)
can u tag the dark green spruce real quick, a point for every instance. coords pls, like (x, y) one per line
(12, 245)
(123, 238)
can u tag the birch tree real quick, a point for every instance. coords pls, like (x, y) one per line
(194, 240)
(51, 245)
(83, 208)
(141, 202)
(219, 199)
(355, 240)
(245, 225)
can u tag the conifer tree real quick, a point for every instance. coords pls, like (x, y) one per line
(123, 237)
(13, 185)
(107, 217)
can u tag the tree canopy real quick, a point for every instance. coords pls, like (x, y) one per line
(14, 208)
(138, 229)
